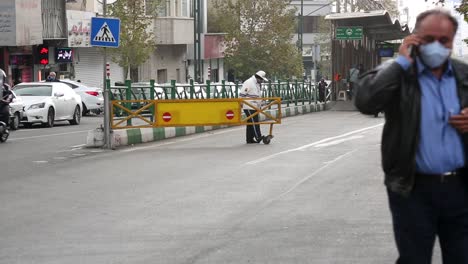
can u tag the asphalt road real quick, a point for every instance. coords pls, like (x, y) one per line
(314, 195)
(37, 145)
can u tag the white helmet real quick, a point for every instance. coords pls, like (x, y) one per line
(262, 75)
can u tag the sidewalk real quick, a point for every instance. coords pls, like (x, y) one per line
(342, 106)
(125, 137)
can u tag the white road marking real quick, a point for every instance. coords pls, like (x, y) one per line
(41, 161)
(300, 182)
(78, 146)
(304, 147)
(79, 154)
(49, 135)
(338, 141)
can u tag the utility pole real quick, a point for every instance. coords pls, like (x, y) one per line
(107, 127)
(197, 28)
(300, 34)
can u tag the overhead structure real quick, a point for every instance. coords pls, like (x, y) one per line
(355, 37)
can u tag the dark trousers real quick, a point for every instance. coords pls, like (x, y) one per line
(253, 133)
(432, 209)
(5, 114)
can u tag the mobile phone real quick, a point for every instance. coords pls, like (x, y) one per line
(413, 51)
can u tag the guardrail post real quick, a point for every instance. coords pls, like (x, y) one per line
(173, 89)
(310, 91)
(208, 89)
(223, 89)
(303, 92)
(278, 90)
(237, 88)
(192, 88)
(128, 96)
(288, 91)
(152, 99)
(296, 88)
(271, 92)
(316, 93)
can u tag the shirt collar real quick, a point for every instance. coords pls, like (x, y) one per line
(422, 67)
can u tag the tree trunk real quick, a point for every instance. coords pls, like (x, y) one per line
(125, 69)
(134, 73)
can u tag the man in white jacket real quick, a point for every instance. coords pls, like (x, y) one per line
(252, 88)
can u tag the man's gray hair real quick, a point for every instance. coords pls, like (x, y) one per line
(437, 12)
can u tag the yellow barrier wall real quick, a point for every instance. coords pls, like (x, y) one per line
(198, 113)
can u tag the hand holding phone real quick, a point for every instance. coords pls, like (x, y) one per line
(409, 46)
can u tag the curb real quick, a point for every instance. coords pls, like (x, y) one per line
(131, 136)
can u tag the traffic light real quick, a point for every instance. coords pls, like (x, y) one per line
(42, 55)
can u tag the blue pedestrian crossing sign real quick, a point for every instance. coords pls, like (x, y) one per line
(105, 32)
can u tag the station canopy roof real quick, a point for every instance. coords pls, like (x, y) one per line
(378, 25)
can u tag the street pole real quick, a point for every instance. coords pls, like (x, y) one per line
(301, 28)
(107, 127)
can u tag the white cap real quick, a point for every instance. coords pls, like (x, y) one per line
(262, 75)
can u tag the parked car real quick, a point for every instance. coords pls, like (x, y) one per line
(91, 97)
(16, 112)
(47, 102)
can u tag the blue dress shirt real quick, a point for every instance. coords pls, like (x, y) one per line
(440, 145)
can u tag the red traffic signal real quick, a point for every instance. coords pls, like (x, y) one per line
(44, 61)
(42, 55)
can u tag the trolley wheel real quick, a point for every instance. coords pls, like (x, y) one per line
(267, 139)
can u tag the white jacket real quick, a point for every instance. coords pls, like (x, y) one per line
(251, 89)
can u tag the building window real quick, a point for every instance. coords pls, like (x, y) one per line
(178, 75)
(311, 24)
(162, 76)
(165, 8)
(185, 8)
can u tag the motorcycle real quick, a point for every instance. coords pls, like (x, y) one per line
(4, 133)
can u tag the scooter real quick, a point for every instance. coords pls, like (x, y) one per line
(4, 133)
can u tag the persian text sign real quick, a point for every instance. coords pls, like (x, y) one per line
(349, 33)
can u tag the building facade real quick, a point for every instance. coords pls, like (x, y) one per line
(315, 44)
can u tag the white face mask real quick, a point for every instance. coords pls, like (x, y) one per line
(434, 54)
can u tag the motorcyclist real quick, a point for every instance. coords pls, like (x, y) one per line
(6, 98)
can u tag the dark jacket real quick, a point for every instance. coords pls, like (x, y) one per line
(397, 93)
(6, 97)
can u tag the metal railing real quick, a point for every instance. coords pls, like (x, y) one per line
(290, 92)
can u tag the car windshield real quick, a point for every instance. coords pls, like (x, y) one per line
(33, 90)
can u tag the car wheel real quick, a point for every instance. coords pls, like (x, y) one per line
(76, 116)
(50, 118)
(85, 110)
(14, 124)
(4, 136)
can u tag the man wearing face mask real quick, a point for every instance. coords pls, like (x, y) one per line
(424, 94)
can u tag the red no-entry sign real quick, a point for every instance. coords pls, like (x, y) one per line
(229, 114)
(167, 117)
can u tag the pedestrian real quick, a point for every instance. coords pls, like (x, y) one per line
(322, 90)
(423, 93)
(52, 77)
(5, 99)
(252, 89)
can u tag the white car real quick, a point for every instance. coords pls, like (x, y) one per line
(16, 112)
(47, 102)
(92, 97)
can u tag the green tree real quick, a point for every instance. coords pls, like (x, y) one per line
(463, 9)
(137, 40)
(259, 36)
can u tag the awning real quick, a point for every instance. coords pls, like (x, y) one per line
(377, 25)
